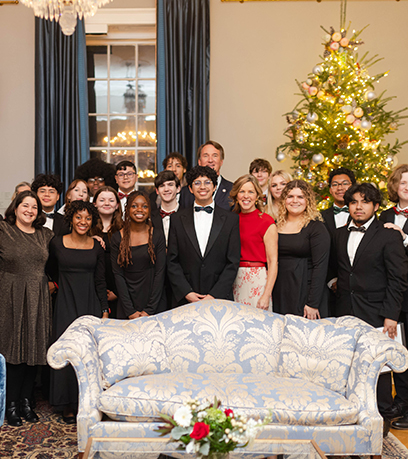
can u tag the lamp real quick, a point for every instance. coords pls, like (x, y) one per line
(65, 11)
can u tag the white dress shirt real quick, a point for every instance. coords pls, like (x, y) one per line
(400, 221)
(202, 224)
(341, 219)
(355, 238)
(166, 223)
(123, 201)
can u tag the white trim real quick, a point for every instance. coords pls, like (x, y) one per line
(119, 16)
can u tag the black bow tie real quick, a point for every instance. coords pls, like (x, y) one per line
(361, 229)
(207, 209)
(50, 215)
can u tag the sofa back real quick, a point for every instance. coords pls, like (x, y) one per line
(219, 336)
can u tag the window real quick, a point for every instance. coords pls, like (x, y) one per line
(122, 104)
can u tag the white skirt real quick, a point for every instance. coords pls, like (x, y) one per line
(249, 286)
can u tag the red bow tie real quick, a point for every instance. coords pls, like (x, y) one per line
(164, 213)
(122, 195)
(403, 212)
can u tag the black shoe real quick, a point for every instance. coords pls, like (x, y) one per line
(12, 415)
(386, 427)
(26, 412)
(396, 411)
(401, 423)
(69, 419)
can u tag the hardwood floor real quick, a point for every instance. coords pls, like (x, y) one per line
(402, 436)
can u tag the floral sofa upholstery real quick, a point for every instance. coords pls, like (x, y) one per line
(2, 388)
(317, 378)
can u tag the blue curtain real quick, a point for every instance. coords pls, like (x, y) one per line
(183, 74)
(61, 100)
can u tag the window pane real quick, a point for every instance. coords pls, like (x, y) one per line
(123, 131)
(98, 131)
(97, 97)
(122, 62)
(97, 61)
(146, 165)
(122, 97)
(120, 155)
(100, 154)
(146, 132)
(147, 62)
(146, 96)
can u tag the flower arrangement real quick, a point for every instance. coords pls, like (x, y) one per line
(204, 429)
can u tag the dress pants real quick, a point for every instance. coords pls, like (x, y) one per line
(401, 379)
(20, 381)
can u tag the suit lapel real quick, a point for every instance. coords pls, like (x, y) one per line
(370, 233)
(218, 222)
(330, 220)
(188, 223)
(343, 241)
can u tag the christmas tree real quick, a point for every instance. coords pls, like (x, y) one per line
(340, 120)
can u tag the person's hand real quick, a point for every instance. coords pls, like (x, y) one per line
(208, 297)
(101, 241)
(135, 315)
(334, 287)
(390, 326)
(52, 288)
(193, 297)
(144, 314)
(111, 295)
(105, 315)
(311, 313)
(395, 227)
(263, 302)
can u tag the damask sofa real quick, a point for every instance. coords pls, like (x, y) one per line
(2, 388)
(317, 378)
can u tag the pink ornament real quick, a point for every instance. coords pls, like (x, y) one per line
(357, 123)
(305, 86)
(344, 42)
(334, 46)
(336, 36)
(350, 119)
(312, 91)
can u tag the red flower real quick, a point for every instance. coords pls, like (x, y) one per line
(229, 413)
(200, 430)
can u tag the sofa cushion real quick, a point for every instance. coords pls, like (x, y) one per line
(294, 401)
(130, 348)
(319, 353)
(222, 337)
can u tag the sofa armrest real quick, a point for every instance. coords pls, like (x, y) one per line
(77, 347)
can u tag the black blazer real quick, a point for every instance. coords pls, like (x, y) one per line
(372, 289)
(221, 196)
(215, 272)
(60, 227)
(157, 220)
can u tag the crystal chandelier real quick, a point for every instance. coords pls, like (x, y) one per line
(65, 11)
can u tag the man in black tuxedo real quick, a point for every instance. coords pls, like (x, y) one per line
(210, 154)
(372, 270)
(49, 188)
(336, 216)
(397, 218)
(204, 244)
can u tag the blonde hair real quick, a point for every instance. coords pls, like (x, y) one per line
(286, 176)
(310, 213)
(238, 184)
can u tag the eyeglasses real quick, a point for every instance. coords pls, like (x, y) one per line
(125, 174)
(337, 184)
(98, 179)
(206, 183)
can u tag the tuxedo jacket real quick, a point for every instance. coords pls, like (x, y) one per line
(388, 216)
(215, 272)
(372, 289)
(157, 220)
(60, 227)
(221, 196)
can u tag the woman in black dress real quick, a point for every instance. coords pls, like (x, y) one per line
(107, 203)
(303, 254)
(25, 307)
(138, 254)
(77, 263)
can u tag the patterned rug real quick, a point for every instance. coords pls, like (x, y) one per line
(52, 438)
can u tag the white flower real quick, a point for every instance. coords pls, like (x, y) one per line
(190, 448)
(183, 416)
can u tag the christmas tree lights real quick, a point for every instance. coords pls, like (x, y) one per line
(340, 120)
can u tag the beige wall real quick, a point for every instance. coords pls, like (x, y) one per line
(258, 49)
(16, 98)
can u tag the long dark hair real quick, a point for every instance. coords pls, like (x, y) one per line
(125, 253)
(10, 215)
(116, 222)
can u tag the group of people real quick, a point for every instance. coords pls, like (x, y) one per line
(259, 241)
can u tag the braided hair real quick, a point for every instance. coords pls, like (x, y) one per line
(125, 253)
